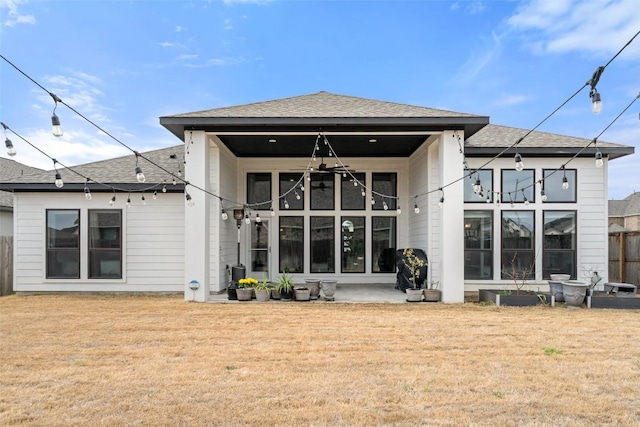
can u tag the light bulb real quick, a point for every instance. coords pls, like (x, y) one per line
(308, 177)
(155, 194)
(355, 183)
(247, 220)
(286, 204)
(112, 201)
(488, 198)
(174, 181)
(398, 211)
(363, 193)
(190, 201)
(179, 171)
(526, 202)
(384, 205)
(416, 209)
(225, 215)
(301, 187)
(10, 148)
(128, 202)
(511, 203)
(373, 201)
(87, 193)
(258, 219)
(543, 196)
(519, 164)
(441, 202)
(596, 105)
(164, 188)
(59, 182)
(139, 175)
(599, 161)
(297, 196)
(144, 201)
(477, 187)
(272, 212)
(565, 183)
(56, 129)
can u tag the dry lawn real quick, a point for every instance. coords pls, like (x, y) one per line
(160, 361)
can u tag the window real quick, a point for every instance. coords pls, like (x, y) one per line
(486, 181)
(478, 245)
(352, 192)
(291, 244)
(518, 240)
(352, 244)
(322, 191)
(553, 185)
(559, 247)
(259, 190)
(105, 244)
(517, 185)
(386, 184)
(383, 244)
(322, 244)
(294, 197)
(63, 244)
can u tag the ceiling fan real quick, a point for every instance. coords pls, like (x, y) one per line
(323, 168)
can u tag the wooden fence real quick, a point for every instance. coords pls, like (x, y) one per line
(624, 257)
(6, 265)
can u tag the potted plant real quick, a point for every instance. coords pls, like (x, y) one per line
(263, 290)
(285, 286)
(413, 264)
(245, 288)
(302, 293)
(431, 291)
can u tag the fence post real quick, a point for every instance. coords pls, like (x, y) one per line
(6, 265)
(622, 260)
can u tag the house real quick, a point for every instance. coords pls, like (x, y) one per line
(8, 169)
(324, 186)
(624, 215)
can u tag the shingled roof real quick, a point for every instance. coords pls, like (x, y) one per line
(630, 205)
(325, 104)
(493, 138)
(104, 173)
(10, 169)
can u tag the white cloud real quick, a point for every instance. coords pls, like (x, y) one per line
(227, 24)
(600, 27)
(80, 91)
(14, 17)
(180, 28)
(186, 57)
(509, 100)
(247, 1)
(479, 59)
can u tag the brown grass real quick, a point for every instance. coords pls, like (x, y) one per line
(142, 360)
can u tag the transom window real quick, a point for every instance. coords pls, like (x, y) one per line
(322, 191)
(553, 185)
(485, 178)
(387, 184)
(290, 185)
(518, 186)
(259, 190)
(352, 192)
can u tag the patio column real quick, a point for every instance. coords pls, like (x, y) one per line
(452, 218)
(196, 218)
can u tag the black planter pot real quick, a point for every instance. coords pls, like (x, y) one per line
(231, 292)
(286, 296)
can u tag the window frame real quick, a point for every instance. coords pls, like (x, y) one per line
(393, 248)
(390, 199)
(532, 250)
(344, 218)
(299, 218)
(332, 246)
(470, 181)
(574, 250)
(250, 192)
(489, 251)
(518, 195)
(50, 250)
(291, 190)
(573, 187)
(90, 250)
(320, 176)
(348, 181)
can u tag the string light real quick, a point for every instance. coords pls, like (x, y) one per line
(143, 200)
(164, 188)
(441, 201)
(416, 209)
(139, 175)
(247, 220)
(384, 205)
(129, 200)
(488, 197)
(477, 187)
(190, 200)
(225, 215)
(599, 161)
(398, 211)
(297, 195)
(596, 105)
(58, 177)
(498, 199)
(155, 194)
(543, 196)
(373, 201)
(87, 193)
(258, 219)
(272, 212)
(519, 164)
(364, 194)
(526, 201)
(286, 204)
(11, 151)
(56, 129)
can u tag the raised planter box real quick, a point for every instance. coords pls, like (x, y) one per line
(605, 300)
(523, 299)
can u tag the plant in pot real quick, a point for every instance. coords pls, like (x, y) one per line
(431, 291)
(285, 286)
(263, 290)
(414, 265)
(245, 288)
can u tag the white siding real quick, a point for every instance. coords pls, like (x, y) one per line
(591, 208)
(153, 243)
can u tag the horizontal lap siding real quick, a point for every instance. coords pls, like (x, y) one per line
(153, 244)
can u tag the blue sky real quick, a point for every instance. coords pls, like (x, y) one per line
(126, 63)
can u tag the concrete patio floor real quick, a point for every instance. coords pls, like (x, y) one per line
(356, 293)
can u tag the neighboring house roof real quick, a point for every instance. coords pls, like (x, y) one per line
(630, 205)
(10, 169)
(492, 139)
(110, 172)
